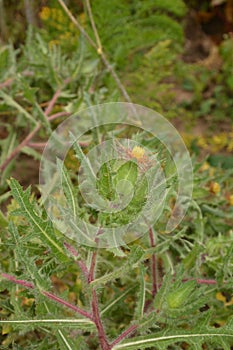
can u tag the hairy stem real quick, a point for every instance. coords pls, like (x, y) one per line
(80, 263)
(17, 281)
(97, 319)
(91, 275)
(201, 281)
(95, 306)
(17, 149)
(153, 264)
(48, 295)
(124, 334)
(67, 304)
(28, 138)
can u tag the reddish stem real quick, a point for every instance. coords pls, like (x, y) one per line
(71, 249)
(58, 115)
(200, 281)
(92, 267)
(153, 264)
(81, 264)
(96, 317)
(49, 295)
(15, 280)
(37, 145)
(17, 150)
(42, 145)
(123, 335)
(54, 98)
(25, 142)
(95, 306)
(6, 83)
(67, 304)
(52, 102)
(9, 81)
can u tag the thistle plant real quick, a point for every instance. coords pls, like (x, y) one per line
(117, 296)
(127, 246)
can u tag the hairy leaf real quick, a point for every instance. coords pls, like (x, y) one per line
(43, 228)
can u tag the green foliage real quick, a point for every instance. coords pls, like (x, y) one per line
(46, 279)
(213, 82)
(226, 51)
(128, 30)
(177, 298)
(125, 276)
(42, 228)
(199, 336)
(149, 78)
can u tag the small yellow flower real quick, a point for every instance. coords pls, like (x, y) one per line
(219, 142)
(138, 152)
(215, 187)
(45, 13)
(231, 200)
(202, 142)
(219, 139)
(204, 167)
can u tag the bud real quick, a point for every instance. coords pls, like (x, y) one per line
(179, 297)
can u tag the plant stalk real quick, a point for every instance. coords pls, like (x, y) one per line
(153, 264)
(49, 295)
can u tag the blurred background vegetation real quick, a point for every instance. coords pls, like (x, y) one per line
(173, 56)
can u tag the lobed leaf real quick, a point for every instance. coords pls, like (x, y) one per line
(43, 228)
(196, 337)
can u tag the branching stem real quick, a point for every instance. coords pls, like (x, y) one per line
(97, 319)
(28, 138)
(125, 334)
(48, 295)
(95, 306)
(80, 263)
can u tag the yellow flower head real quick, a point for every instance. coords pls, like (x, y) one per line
(45, 13)
(215, 187)
(202, 142)
(204, 167)
(138, 152)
